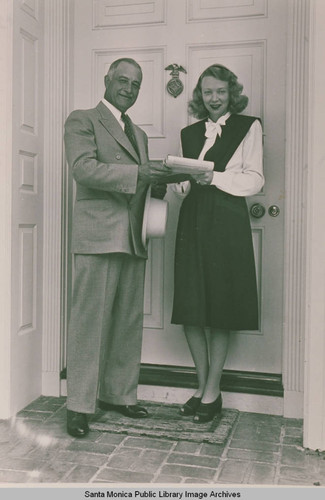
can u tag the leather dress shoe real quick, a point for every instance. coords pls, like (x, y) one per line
(131, 411)
(77, 424)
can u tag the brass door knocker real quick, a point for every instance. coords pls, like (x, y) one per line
(175, 86)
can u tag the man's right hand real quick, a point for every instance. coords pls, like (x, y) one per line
(153, 172)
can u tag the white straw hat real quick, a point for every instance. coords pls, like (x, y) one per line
(154, 218)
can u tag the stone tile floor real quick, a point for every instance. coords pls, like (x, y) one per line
(262, 450)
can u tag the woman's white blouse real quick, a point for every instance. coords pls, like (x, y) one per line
(243, 175)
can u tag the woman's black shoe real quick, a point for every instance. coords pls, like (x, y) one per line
(206, 411)
(190, 407)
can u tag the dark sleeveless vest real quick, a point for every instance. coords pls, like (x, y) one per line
(233, 132)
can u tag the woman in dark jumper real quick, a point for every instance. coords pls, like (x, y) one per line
(215, 281)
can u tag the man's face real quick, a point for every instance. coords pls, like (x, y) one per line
(122, 90)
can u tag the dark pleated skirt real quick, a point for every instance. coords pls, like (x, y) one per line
(215, 278)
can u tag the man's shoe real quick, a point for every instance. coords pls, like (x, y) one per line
(131, 411)
(77, 424)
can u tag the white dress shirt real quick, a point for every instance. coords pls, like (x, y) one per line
(243, 175)
(116, 112)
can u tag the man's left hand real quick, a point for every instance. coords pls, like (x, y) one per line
(158, 190)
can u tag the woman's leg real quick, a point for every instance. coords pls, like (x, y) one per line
(197, 343)
(219, 341)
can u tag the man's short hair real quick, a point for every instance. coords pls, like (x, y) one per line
(113, 67)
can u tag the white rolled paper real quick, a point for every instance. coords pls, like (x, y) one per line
(188, 165)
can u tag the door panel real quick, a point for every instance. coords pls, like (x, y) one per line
(206, 10)
(246, 59)
(250, 39)
(134, 12)
(149, 107)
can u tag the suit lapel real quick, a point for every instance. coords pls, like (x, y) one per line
(108, 120)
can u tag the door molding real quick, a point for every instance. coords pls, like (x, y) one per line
(57, 90)
(6, 83)
(295, 203)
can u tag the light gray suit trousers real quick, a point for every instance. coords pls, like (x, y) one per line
(105, 331)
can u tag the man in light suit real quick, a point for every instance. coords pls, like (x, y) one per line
(108, 156)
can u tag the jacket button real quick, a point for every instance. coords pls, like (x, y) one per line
(118, 156)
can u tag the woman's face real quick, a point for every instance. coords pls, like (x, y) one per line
(215, 95)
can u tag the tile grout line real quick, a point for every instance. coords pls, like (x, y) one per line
(164, 462)
(197, 453)
(38, 446)
(250, 462)
(75, 440)
(122, 445)
(278, 465)
(104, 466)
(223, 458)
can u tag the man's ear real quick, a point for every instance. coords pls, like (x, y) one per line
(106, 80)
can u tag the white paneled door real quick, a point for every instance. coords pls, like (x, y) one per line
(249, 38)
(27, 203)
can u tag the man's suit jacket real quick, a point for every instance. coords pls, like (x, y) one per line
(109, 204)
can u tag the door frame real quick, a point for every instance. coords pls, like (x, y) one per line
(314, 358)
(6, 86)
(58, 34)
(300, 276)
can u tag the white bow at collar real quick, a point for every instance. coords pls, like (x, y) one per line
(213, 129)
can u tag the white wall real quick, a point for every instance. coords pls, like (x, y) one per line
(314, 401)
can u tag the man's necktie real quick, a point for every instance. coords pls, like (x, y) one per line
(129, 132)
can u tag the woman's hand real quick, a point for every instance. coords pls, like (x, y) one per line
(203, 179)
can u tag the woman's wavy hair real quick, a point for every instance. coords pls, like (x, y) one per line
(237, 101)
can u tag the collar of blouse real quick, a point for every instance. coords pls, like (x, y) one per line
(213, 129)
